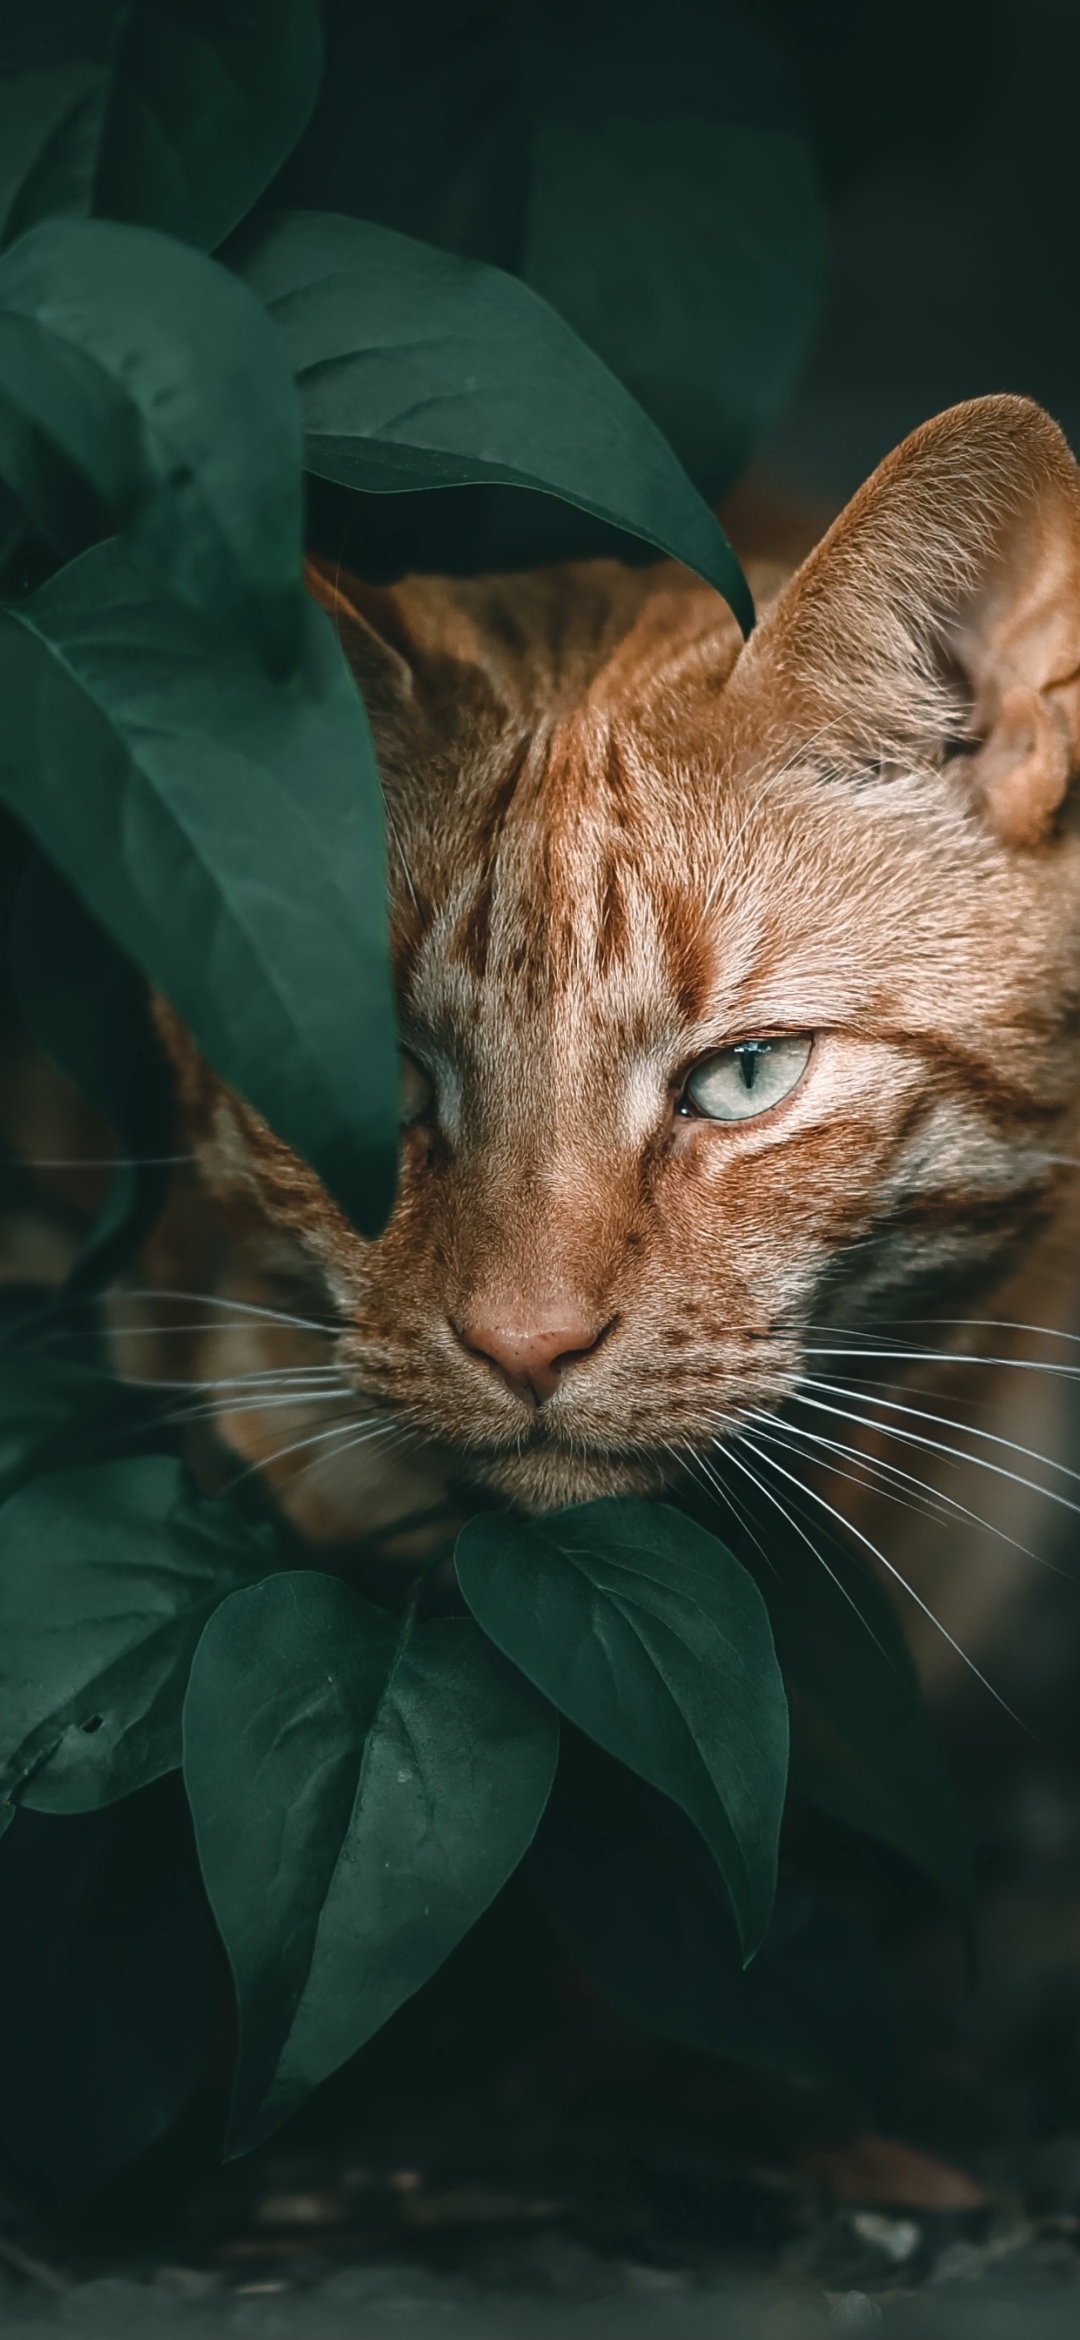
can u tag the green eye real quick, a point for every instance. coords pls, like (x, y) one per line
(746, 1080)
(417, 1094)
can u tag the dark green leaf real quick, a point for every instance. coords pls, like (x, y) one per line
(107, 1578)
(107, 1987)
(158, 379)
(417, 369)
(642, 1909)
(228, 833)
(657, 191)
(360, 1793)
(168, 112)
(647, 1633)
(861, 1742)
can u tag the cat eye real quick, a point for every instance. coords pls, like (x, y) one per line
(417, 1093)
(746, 1080)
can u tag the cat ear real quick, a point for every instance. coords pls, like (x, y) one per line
(940, 615)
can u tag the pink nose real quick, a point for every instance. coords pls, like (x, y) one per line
(532, 1357)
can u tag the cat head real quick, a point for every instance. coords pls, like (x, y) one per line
(738, 986)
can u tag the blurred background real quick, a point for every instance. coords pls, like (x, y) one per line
(945, 147)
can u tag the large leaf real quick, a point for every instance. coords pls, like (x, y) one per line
(168, 112)
(647, 1633)
(656, 190)
(158, 379)
(360, 1792)
(228, 832)
(417, 369)
(107, 1578)
(642, 1909)
(862, 1746)
(106, 1985)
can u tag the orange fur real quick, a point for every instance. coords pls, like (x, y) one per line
(621, 841)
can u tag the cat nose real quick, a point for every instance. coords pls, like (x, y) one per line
(533, 1357)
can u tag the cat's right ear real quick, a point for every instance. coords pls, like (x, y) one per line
(940, 616)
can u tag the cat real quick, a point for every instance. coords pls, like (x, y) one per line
(738, 991)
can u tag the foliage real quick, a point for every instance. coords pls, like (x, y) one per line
(582, 345)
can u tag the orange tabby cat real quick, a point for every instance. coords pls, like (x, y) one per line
(739, 990)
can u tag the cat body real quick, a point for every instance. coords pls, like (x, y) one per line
(631, 857)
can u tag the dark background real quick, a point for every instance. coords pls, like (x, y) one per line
(946, 141)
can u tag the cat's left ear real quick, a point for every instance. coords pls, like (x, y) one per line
(939, 618)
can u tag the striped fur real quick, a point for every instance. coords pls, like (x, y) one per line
(619, 841)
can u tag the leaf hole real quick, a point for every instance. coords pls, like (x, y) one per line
(93, 1723)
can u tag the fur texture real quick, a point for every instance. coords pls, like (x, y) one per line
(621, 842)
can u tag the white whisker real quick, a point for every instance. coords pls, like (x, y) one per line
(849, 1529)
(939, 1446)
(936, 1504)
(244, 1307)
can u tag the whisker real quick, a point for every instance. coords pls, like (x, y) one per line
(848, 1528)
(946, 1422)
(102, 1161)
(936, 1504)
(715, 1485)
(296, 1400)
(875, 1471)
(270, 1378)
(369, 1425)
(958, 1357)
(218, 1300)
(731, 1455)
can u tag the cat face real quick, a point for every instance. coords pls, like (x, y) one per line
(738, 986)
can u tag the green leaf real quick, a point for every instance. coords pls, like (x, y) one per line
(657, 191)
(647, 1633)
(861, 1742)
(417, 369)
(106, 1986)
(107, 1578)
(641, 1907)
(167, 112)
(228, 833)
(360, 1792)
(157, 377)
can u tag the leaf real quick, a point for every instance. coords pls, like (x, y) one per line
(861, 1742)
(658, 192)
(641, 1907)
(228, 833)
(167, 112)
(650, 1636)
(107, 1987)
(673, 216)
(417, 369)
(360, 1793)
(107, 1578)
(156, 376)
(87, 1004)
